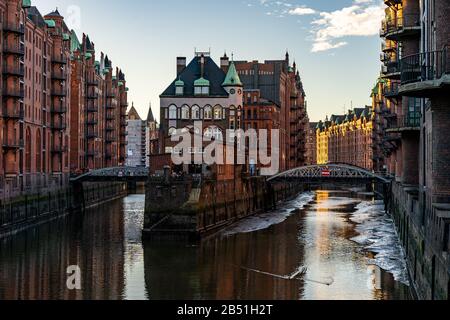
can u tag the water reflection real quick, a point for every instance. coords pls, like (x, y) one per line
(106, 244)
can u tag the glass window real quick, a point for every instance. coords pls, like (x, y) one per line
(218, 113)
(207, 113)
(213, 132)
(195, 112)
(172, 112)
(179, 91)
(185, 114)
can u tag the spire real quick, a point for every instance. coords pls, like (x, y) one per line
(150, 117)
(133, 114)
(232, 79)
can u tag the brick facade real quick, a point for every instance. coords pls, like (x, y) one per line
(44, 120)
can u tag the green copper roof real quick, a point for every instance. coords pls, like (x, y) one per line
(26, 3)
(232, 79)
(179, 83)
(66, 37)
(50, 23)
(74, 42)
(88, 56)
(114, 78)
(97, 63)
(202, 82)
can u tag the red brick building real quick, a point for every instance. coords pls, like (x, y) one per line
(99, 105)
(311, 144)
(280, 83)
(45, 88)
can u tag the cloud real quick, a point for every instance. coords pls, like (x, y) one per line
(357, 20)
(328, 29)
(301, 11)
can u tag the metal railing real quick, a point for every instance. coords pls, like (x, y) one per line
(408, 121)
(14, 48)
(59, 92)
(398, 24)
(391, 89)
(59, 60)
(12, 113)
(59, 75)
(14, 27)
(59, 109)
(16, 70)
(425, 66)
(16, 93)
(13, 143)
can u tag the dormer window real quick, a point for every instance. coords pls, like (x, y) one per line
(201, 87)
(179, 87)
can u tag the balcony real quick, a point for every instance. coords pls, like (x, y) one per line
(110, 117)
(59, 125)
(14, 28)
(92, 122)
(91, 153)
(400, 27)
(12, 144)
(426, 73)
(91, 135)
(13, 114)
(59, 75)
(92, 83)
(110, 94)
(390, 70)
(17, 70)
(109, 128)
(110, 139)
(391, 90)
(410, 122)
(91, 109)
(59, 149)
(59, 60)
(13, 93)
(60, 92)
(59, 109)
(392, 2)
(109, 106)
(15, 49)
(124, 133)
(388, 46)
(92, 96)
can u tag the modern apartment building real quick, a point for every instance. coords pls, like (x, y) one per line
(136, 140)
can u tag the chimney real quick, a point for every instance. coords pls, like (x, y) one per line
(181, 64)
(224, 63)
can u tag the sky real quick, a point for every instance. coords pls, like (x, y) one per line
(335, 43)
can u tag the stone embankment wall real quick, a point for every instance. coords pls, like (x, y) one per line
(25, 211)
(426, 242)
(183, 206)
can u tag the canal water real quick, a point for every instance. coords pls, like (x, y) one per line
(321, 245)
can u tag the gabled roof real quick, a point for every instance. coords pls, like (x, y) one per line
(192, 72)
(54, 13)
(35, 16)
(133, 114)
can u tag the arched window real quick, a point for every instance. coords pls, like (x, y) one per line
(173, 112)
(38, 151)
(218, 113)
(28, 150)
(207, 113)
(232, 110)
(213, 132)
(195, 112)
(185, 112)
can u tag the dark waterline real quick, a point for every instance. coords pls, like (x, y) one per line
(106, 243)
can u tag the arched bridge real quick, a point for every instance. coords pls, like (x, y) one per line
(125, 174)
(330, 172)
